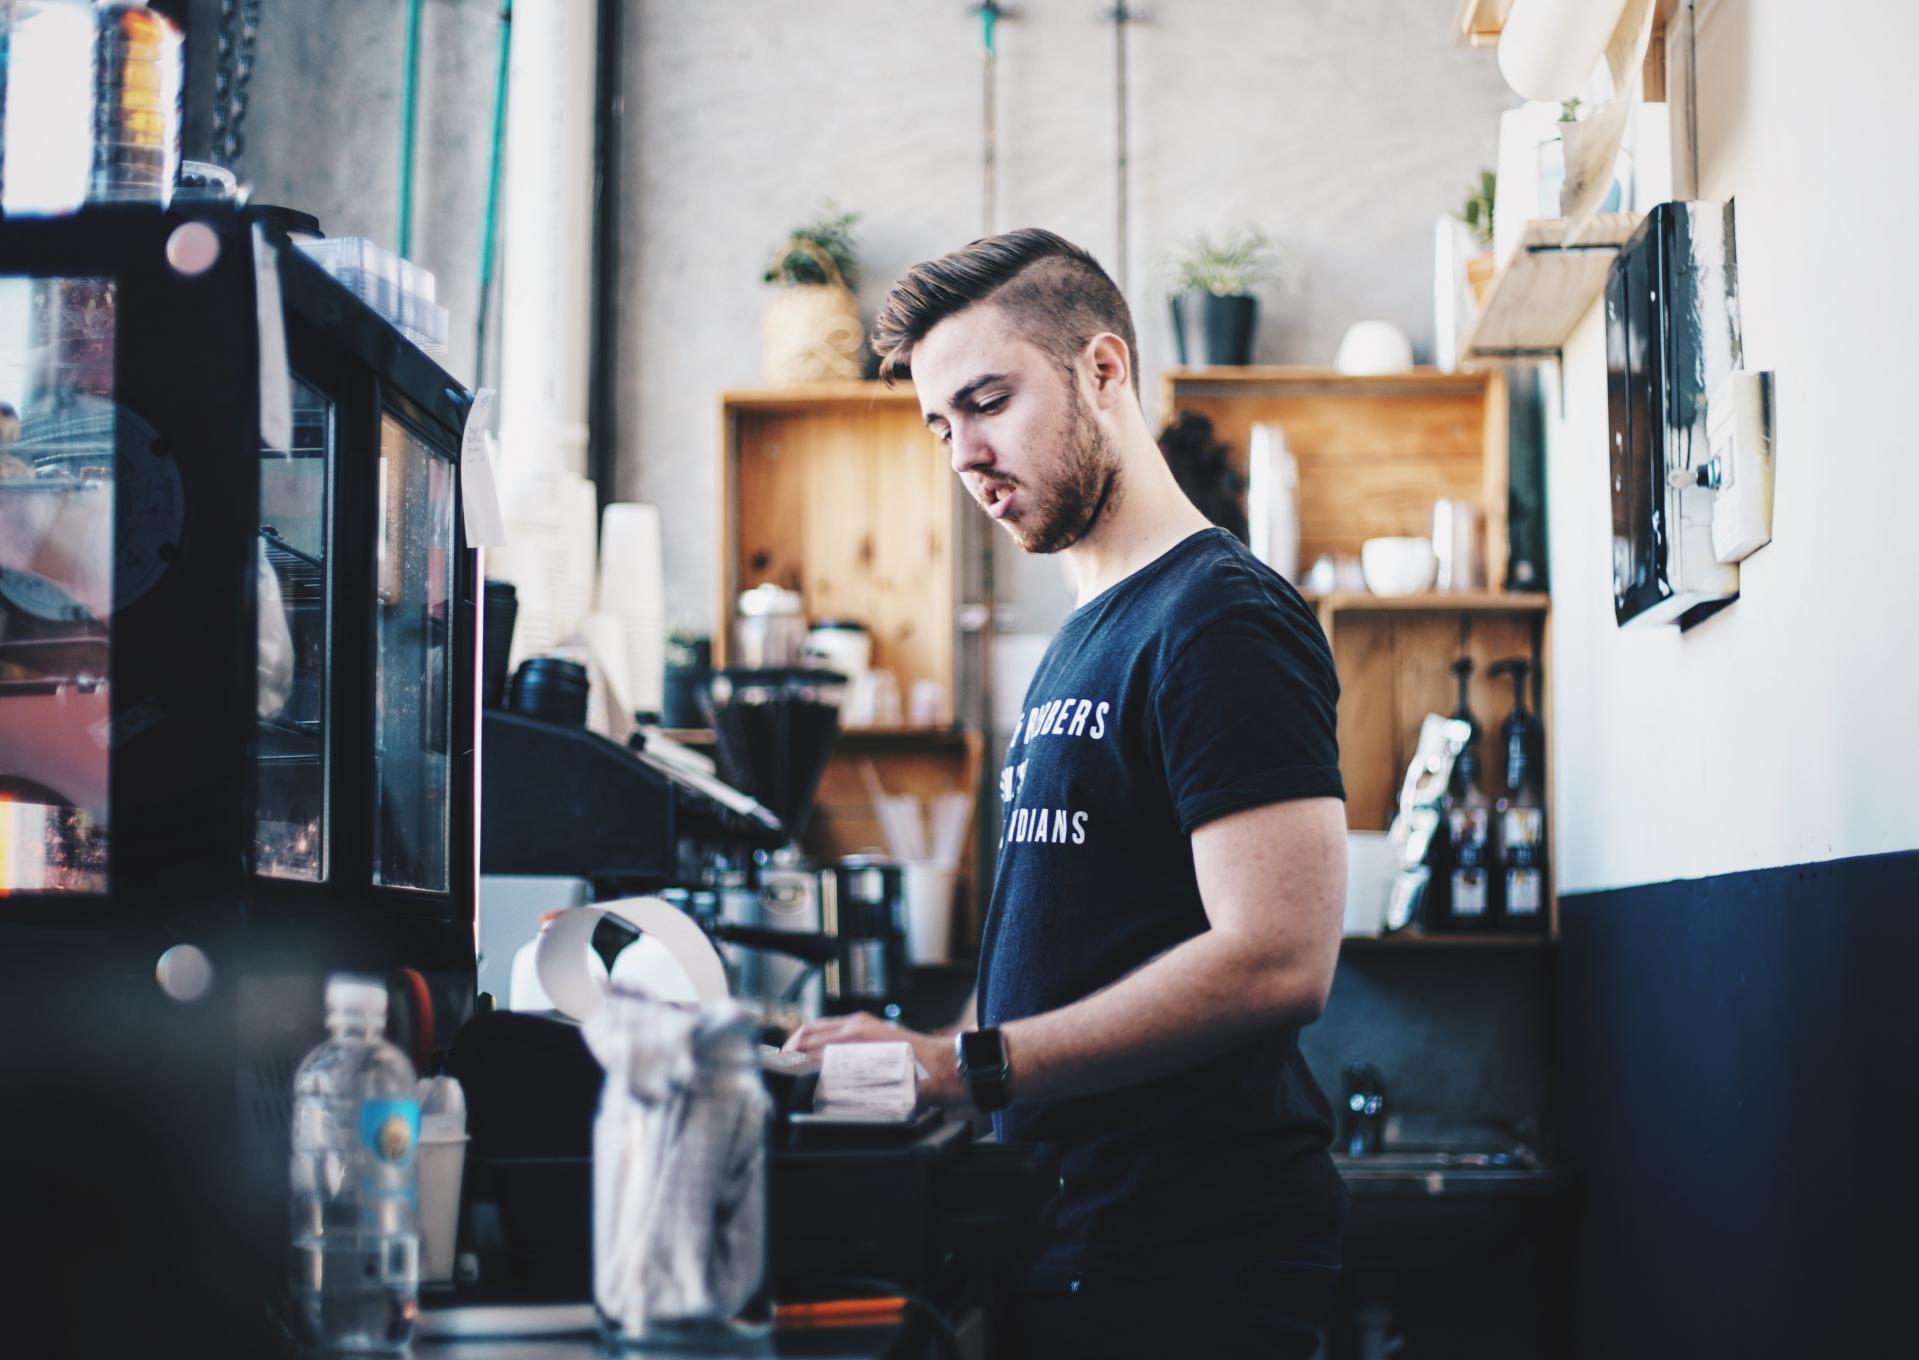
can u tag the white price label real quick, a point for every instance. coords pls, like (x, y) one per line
(276, 383)
(479, 495)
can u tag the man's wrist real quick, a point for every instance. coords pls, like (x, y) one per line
(984, 1065)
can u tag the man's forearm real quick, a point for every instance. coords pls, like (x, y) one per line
(1199, 999)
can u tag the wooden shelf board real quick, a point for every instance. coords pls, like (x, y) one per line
(1440, 602)
(1298, 381)
(1545, 288)
(1464, 940)
(816, 395)
(1480, 22)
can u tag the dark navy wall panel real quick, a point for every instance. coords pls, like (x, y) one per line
(1738, 1084)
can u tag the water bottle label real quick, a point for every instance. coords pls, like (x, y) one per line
(389, 1129)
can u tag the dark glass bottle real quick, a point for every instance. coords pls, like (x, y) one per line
(1520, 848)
(1469, 817)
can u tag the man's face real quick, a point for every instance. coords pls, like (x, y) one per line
(1023, 438)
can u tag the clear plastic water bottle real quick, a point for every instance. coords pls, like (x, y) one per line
(356, 1123)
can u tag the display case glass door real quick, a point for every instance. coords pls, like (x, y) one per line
(62, 441)
(413, 693)
(294, 598)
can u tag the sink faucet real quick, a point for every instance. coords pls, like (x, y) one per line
(1365, 1092)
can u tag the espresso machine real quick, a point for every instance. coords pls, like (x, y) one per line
(570, 817)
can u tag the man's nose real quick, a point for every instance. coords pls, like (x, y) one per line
(970, 452)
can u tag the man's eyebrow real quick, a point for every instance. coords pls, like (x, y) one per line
(964, 396)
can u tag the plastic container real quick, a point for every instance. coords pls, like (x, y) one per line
(551, 688)
(355, 1263)
(397, 289)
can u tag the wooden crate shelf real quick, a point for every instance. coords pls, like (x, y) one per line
(838, 491)
(1544, 289)
(841, 493)
(1374, 454)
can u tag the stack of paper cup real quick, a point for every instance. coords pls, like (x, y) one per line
(548, 556)
(929, 910)
(632, 596)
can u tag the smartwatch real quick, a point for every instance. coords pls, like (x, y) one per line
(984, 1068)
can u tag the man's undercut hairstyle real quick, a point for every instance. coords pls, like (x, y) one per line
(1051, 292)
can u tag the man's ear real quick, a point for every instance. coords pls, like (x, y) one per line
(1112, 368)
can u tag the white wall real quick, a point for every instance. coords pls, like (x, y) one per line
(1347, 128)
(1785, 729)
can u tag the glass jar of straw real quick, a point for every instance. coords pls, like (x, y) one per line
(679, 1175)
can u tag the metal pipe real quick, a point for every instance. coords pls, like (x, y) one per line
(409, 115)
(490, 229)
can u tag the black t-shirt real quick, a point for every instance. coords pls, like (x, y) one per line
(1198, 686)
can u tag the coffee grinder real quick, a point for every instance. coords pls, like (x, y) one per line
(820, 940)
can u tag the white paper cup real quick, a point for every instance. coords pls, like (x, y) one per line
(929, 912)
(442, 1162)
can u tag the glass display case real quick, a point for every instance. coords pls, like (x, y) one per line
(255, 688)
(238, 719)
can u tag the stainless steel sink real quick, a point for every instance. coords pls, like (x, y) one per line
(1442, 1173)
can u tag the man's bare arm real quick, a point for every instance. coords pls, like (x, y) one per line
(1273, 883)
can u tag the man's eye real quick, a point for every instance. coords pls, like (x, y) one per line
(993, 407)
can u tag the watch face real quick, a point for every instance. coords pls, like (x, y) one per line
(982, 1050)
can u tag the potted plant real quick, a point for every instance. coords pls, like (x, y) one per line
(812, 329)
(1477, 214)
(1215, 314)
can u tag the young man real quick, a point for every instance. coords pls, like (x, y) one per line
(1171, 874)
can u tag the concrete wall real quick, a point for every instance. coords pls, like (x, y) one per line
(1782, 730)
(322, 130)
(1344, 129)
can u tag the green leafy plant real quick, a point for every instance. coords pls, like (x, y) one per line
(1478, 210)
(1229, 267)
(1569, 110)
(797, 259)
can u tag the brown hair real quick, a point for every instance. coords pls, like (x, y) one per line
(1053, 292)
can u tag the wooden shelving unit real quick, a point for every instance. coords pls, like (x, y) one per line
(838, 491)
(1374, 454)
(1544, 289)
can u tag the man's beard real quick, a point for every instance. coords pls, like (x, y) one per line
(1086, 484)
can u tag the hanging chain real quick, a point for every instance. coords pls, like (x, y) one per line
(232, 75)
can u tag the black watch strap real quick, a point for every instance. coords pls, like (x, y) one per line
(984, 1068)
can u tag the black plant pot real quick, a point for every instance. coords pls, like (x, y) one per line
(1213, 330)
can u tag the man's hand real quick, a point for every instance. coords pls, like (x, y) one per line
(934, 1052)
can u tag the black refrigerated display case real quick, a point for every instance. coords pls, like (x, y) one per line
(237, 738)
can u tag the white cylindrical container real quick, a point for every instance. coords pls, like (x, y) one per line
(1548, 48)
(1272, 500)
(842, 645)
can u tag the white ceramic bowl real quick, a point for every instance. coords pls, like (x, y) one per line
(1373, 347)
(1398, 566)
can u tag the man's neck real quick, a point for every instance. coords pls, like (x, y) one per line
(1145, 516)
